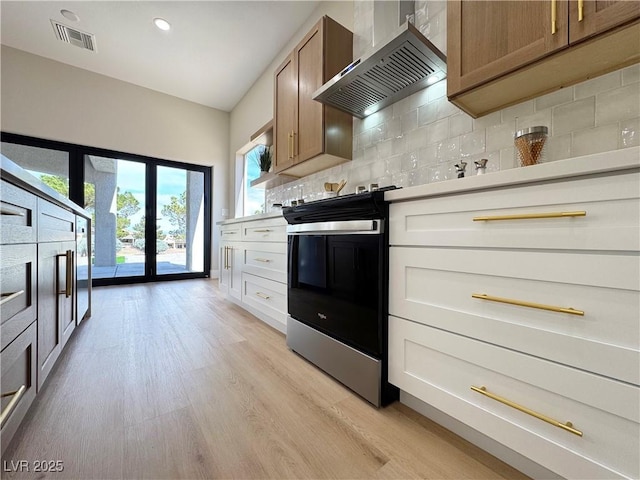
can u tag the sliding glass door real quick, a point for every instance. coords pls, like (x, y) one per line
(151, 218)
(180, 221)
(115, 194)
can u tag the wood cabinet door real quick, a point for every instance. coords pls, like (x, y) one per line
(285, 114)
(491, 38)
(235, 277)
(224, 268)
(49, 334)
(66, 263)
(598, 16)
(309, 131)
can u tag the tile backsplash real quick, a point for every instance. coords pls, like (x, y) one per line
(420, 138)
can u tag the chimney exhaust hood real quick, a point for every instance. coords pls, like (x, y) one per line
(406, 64)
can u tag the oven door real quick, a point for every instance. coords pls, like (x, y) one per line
(335, 280)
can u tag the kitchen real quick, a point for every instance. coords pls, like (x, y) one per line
(413, 143)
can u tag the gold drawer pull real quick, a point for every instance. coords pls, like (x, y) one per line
(68, 289)
(12, 404)
(263, 295)
(568, 426)
(7, 297)
(521, 303)
(266, 230)
(263, 260)
(553, 17)
(580, 10)
(229, 233)
(529, 216)
(11, 212)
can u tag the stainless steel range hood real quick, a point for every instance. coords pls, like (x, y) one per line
(406, 64)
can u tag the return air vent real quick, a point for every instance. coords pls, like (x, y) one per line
(74, 37)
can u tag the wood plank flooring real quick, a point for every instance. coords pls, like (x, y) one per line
(171, 381)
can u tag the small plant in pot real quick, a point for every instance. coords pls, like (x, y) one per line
(264, 160)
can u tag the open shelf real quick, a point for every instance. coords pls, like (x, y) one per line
(271, 180)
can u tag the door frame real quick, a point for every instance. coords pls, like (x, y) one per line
(76, 194)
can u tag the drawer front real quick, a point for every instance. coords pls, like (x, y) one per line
(267, 296)
(18, 375)
(610, 222)
(271, 230)
(54, 223)
(230, 232)
(440, 368)
(268, 260)
(436, 287)
(18, 280)
(17, 214)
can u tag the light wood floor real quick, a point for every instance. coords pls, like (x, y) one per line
(170, 380)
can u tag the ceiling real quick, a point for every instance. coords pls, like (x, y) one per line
(212, 55)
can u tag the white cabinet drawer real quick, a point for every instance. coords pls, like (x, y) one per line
(610, 223)
(435, 287)
(268, 260)
(440, 367)
(230, 232)
(269, 230)
(267, 296)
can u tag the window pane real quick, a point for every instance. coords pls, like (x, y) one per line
(114, 193)
(180, 222)
(50, 166)
(253, 197)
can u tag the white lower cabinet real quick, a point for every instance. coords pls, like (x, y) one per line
(515, 310)
(253, 267)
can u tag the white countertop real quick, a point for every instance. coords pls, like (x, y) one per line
(624, 159)
(250, 218)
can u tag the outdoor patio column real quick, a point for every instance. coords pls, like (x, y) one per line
(194, 240)
(106, 209)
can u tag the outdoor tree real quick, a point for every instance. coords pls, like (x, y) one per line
(61, 185)
(127, 206)
(176, 211)
(139, 230)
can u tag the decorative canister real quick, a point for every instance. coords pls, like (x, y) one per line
(530, 143)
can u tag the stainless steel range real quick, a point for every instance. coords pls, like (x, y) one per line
(338, 290)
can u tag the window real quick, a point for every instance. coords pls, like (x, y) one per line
(253, 200)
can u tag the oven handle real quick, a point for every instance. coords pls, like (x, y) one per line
(345, 227)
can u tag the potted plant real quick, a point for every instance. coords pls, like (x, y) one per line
(264, 160)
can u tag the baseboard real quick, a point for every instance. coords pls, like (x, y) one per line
(516, 460)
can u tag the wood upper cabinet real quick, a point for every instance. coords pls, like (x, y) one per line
(304, 128)
(503, 52)
(490, 38)
(286, 96)
(599, 16)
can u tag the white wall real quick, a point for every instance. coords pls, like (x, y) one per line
(47, 99)
(256, 107)
(420, 138)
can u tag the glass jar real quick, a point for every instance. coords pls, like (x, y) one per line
(530, 145)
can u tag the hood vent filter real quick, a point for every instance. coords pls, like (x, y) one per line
(74, 37)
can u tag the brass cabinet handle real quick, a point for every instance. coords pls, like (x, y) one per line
(293, 144)
(6, 411)
(580, 10)
(231, 232)
(226, 258)
(263, 260)
(530, 216)
(265, 230)
(10, 212)
(553, 17)
(290, 144)
(568, 426)
(263, 295)
(522, 303)
(7, 297)
(68, 289)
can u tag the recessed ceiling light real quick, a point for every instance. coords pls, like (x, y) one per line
(70, 15)
(162, 24)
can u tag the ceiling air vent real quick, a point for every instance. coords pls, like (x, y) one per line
(74, 37)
